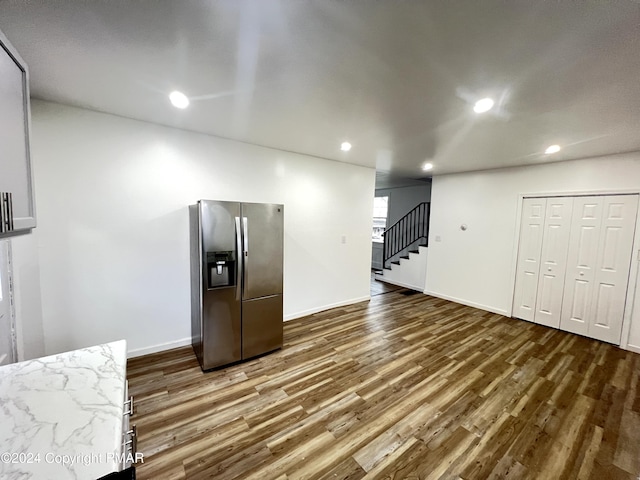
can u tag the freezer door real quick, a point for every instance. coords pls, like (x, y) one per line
(261, 325)
(221, 329)
(218, 225)
(262, 226)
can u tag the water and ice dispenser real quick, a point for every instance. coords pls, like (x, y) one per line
(221, 268)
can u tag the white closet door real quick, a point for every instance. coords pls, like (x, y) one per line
(612, 267)
(531, 227)
(581, 264)
(553, 261)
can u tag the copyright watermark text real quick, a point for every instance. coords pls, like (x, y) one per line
(63, 459)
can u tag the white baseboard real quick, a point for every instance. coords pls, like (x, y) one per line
(633, 348)
(468, 303)
(381, 278)
(311, 311)
(159, 348)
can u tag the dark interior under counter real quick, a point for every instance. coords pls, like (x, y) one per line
(126, 474)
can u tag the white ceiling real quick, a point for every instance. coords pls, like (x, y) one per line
(395, 78)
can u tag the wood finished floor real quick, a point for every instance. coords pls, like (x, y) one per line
(401, 387)
(380, 288)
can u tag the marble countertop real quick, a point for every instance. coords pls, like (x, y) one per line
(61, 416)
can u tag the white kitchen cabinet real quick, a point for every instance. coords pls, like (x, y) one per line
(17, 209)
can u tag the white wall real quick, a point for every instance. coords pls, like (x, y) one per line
(112, 198)
(26, 290)
(477, 266)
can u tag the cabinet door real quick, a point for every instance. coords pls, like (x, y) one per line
(553, 261)
(15, 163)
(529, 250)
(581, 264)
(612, 267)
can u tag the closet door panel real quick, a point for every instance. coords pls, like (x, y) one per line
(546, 295)
(528, 267)
(612, 267)
(581, 262)
(553, 261)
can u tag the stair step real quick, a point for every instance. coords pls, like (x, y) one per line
(423, 245)
(414, 251)
(395, 262)
(405, 257)
(387, 268)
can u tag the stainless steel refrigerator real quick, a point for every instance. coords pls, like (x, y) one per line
(236, 280)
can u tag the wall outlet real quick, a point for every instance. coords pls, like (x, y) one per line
(438, 239)
(343, 239)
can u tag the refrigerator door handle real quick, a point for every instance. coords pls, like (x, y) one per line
(239, 260)
(245, 227)
(245, 244)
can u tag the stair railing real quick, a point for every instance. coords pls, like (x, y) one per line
(414, 226)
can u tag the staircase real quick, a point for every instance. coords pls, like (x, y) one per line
(409, 272)
(404, 256)
(406, 235)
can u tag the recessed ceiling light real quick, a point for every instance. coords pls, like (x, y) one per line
(179, 99)
(552, 149)
(427, 166)
(345, 147)
(483, 105)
